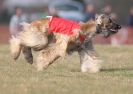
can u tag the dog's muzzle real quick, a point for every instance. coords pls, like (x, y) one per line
(115, 28)
(108, 31)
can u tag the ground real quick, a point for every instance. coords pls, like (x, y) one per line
(64, 77)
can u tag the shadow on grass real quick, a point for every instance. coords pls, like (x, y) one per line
(107, 70)
(116, 69)
(127, 72)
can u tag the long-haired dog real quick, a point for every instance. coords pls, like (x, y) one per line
(36, 35)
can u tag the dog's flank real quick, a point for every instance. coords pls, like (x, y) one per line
(50, 54)
(35, 35)
(30, 39)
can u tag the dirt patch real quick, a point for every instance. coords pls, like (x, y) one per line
(4, 34)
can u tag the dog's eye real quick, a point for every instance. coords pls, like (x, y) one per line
(106, 26)
(103, 17)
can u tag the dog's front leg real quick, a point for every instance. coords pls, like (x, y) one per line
(89, 59)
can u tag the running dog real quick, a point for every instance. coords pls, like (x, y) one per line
(35, 35)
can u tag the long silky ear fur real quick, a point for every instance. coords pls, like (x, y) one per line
(96, 16)
(83, 26)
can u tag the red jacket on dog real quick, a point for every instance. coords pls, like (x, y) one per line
(63, 26)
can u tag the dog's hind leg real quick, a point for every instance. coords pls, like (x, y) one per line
(32, 40)
(15, 47)
(46, 57)
(89, 59)
(51, 53)
(28, 54)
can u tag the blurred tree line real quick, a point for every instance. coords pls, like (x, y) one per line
(120, 7)
(4, 14)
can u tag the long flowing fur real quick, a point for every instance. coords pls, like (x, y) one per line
(15, 47)
(91, 64)
(35, 35)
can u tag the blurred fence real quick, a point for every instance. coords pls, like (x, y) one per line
(4, 34)
(124, 36)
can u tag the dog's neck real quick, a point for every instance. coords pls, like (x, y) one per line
(88, 27)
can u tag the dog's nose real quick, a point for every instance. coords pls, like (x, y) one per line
(118, 27)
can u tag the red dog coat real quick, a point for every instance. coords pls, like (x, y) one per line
(63, 26)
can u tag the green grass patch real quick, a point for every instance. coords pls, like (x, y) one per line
(64, 76)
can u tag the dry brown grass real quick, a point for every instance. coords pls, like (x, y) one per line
(64, 77)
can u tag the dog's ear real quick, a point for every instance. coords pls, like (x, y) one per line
(96, 16)
(98, 19)
(81, 24)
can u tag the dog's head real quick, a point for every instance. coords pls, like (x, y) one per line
(105, 25)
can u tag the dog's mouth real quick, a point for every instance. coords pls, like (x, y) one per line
(108, 31)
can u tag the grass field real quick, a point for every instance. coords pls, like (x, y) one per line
(64, 77)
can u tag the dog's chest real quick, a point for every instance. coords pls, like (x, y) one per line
(63, 26)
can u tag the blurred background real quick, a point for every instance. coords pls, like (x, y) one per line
(13, 12)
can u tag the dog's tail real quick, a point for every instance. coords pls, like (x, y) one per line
(15, 47)
(25, 26)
